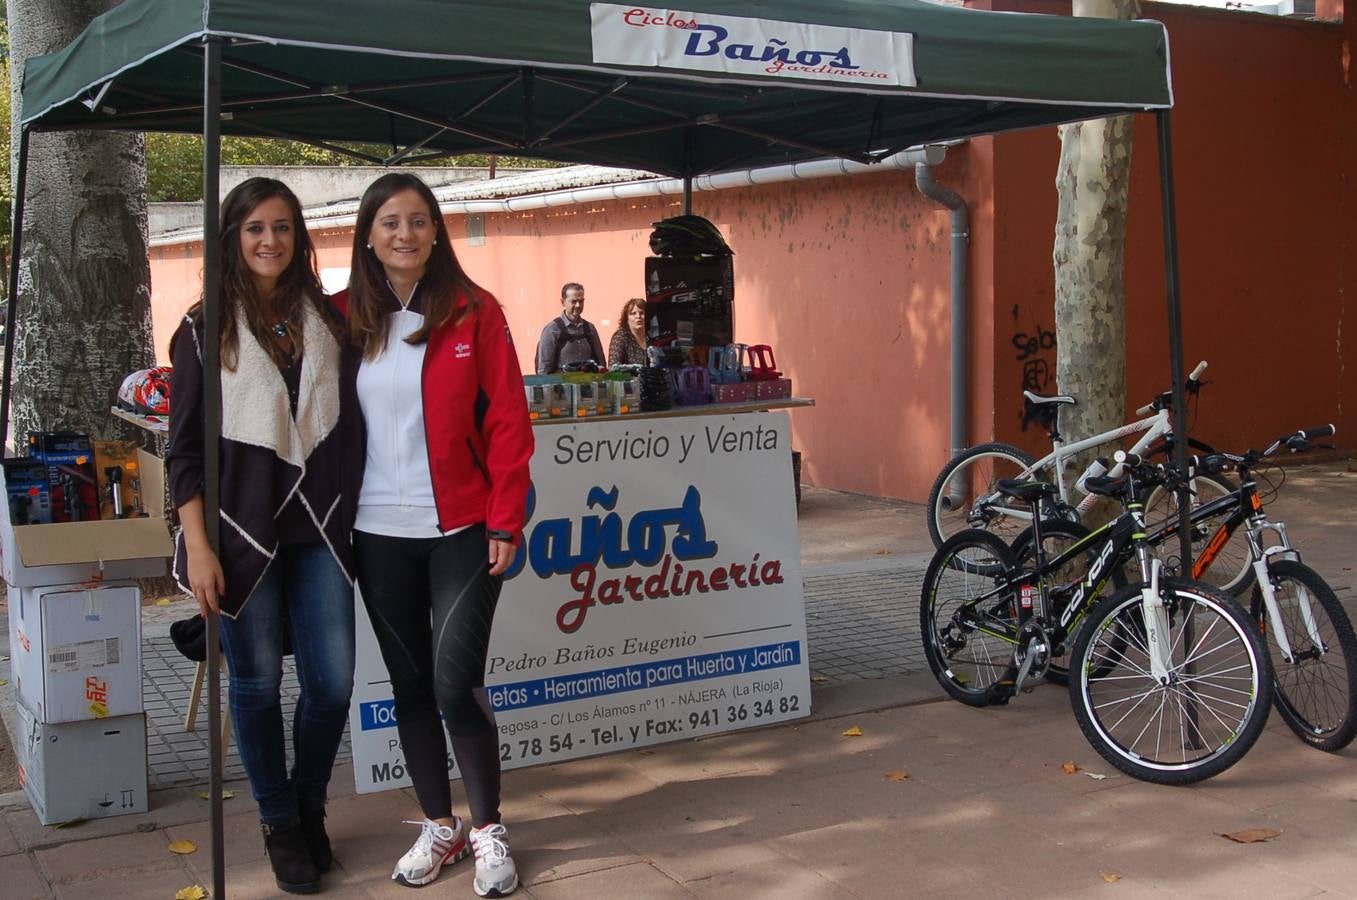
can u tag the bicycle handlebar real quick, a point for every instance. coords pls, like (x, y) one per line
(1193, 385)
(1295, 442)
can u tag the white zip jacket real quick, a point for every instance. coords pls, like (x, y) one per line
(397, 494)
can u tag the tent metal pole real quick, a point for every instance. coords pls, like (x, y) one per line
(1175, 333)
(212, 429)
(688, 172)
(12, 302)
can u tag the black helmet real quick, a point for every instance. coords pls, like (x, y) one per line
(688, 236)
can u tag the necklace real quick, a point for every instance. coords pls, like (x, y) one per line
(280, 329)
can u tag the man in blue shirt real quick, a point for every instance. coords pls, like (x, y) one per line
(568, 338)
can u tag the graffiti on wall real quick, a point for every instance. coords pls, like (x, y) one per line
(1035, 350)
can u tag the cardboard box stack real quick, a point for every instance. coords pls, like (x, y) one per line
(75, 641)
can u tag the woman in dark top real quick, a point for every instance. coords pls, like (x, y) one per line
(285, 558)
(628, 346)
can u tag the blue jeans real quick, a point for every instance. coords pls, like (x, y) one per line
(305, 591)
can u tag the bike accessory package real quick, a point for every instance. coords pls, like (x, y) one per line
(71, 479)
(30, 498)
(146, 392)
(690, 300)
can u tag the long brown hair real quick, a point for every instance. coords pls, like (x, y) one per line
(297, 287)
(445, 289)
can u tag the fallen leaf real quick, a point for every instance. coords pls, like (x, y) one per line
(1096, 776)
(896, 776)
(818, 679)
(4, 659)
(1069, 768)
(1252, 835)
(1111, 877)
(78, 820)
(164, 601)
(183, 847)
(883, 552)
(195, 892)
(646, 752)
(4, 681)
(225, 795)
(855, 731)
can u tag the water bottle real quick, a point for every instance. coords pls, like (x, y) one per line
(1096, 468)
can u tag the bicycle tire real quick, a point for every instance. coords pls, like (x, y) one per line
(946, 519)
(1232, 568)
(1231, 670)
(1326, 722)
(1068, 534)
(967, 663)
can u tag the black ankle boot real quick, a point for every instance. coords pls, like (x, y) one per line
(317, 841)
(293, 869)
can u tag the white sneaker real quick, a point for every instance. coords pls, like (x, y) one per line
(496, 875)
(437, 846)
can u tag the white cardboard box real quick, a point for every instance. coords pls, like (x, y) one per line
(76, 652)
(90, 552)
(88, 770)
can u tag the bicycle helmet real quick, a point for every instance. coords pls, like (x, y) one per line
(146, 391)
(688, 236)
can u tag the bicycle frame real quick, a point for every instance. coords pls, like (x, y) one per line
(1155, 427)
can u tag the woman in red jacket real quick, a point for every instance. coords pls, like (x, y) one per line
(442, 503)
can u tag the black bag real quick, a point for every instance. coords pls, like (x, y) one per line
(190, 638)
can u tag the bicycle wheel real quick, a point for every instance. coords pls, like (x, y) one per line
(1316, 692)
(1232, 568)
(1059, 535)
(1214, 705)
(969, 627)
(969, 477)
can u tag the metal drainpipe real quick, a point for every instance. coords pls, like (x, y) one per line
(961, 234)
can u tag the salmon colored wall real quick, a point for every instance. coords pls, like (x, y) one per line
(847, 279)
(1259, 164)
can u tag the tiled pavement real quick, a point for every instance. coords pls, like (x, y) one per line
(932, 800)
(861, 621)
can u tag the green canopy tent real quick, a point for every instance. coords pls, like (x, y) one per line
(732, 84)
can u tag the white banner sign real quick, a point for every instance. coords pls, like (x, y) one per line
(657, 597)
(673, 39)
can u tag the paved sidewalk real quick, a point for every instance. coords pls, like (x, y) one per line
(800, 810)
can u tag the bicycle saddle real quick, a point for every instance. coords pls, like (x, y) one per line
(1058, 400)
(1026, 491)
(1105, 485)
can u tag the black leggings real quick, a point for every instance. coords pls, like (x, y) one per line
(431, 601)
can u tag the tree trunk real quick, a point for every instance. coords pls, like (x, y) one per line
(84, 311)
(1089, 255)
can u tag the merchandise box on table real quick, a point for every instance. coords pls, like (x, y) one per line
(82, 770)
(76, 652)
(90, 552)
(690, 300)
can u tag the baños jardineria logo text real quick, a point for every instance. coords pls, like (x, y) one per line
(641, 558)
(639, 35)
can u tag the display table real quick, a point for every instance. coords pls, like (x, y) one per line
(656, 596)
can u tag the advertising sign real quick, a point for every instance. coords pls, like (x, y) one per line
(674, 39)
(656, 597)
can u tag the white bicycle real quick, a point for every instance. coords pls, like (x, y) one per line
(965, 494)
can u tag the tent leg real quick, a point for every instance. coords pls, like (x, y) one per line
(1175, 330)
(687, 195)
(212, 429)
(1179, 392)
(12, 303)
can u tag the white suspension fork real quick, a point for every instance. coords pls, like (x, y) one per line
(1156, 615)
(1274, 611)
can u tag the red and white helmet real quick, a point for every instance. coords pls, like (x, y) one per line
(146, 391)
